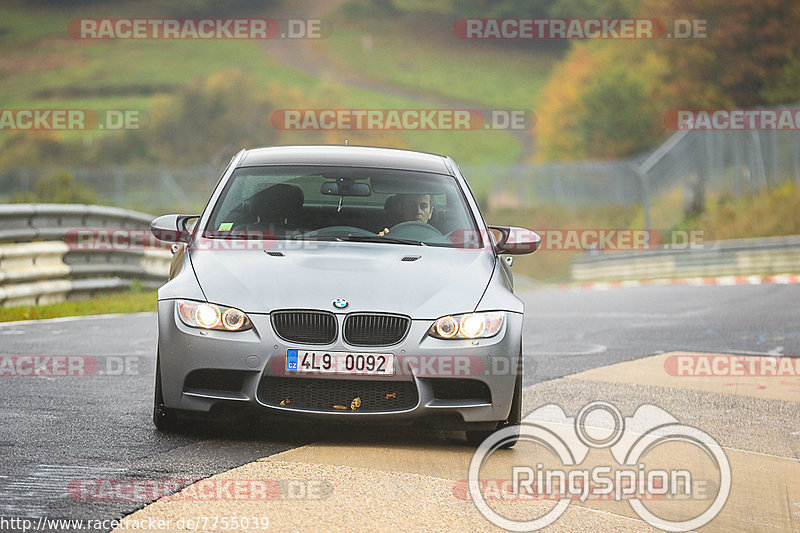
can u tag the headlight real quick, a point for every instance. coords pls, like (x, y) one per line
(209, 316)
(468, 326)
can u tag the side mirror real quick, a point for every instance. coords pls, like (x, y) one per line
(514, 240)
(172, 228)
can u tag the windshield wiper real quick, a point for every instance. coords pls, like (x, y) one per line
(377, 238)
(315, 238)
(241, 235)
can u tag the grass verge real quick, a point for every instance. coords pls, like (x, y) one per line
(420, 51)
(766, 213)
(120, 302)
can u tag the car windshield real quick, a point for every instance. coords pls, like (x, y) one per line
(343, 204)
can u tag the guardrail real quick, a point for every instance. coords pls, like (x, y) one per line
(735, 257)
(38, 266)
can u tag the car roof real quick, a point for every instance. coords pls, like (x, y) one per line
(353, 156)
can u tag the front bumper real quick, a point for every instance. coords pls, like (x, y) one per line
(473, 379)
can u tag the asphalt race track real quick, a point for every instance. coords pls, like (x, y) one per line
(60, 431)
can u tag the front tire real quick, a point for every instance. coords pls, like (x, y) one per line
(475, 438)
(164, 419)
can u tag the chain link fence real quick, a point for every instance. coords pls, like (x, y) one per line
(150, 189)
(697, 162)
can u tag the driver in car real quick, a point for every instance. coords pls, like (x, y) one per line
(413, 208)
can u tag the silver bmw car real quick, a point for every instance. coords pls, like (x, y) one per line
(342, 283)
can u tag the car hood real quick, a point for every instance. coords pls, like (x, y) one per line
(371, 277)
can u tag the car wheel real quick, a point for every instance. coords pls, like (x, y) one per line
(164, 419)
(475, 438)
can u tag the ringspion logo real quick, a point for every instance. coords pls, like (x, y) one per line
(637, 477)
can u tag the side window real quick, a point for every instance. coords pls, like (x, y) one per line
(237, 206)
(448, 213)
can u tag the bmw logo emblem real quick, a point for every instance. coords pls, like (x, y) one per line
(340, 303)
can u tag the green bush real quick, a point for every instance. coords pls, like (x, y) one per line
(57, 188)
(619, 116)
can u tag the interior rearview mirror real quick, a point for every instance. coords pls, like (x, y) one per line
(345, 187)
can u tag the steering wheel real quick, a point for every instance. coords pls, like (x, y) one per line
(413, 227)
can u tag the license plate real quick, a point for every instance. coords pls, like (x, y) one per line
(365, 364)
